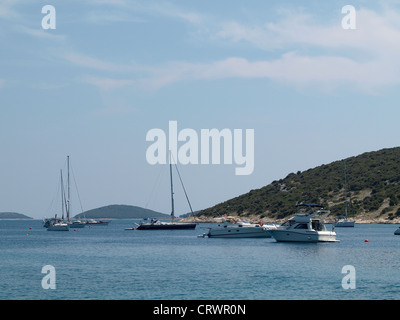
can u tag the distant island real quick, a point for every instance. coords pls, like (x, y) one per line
(119, 211)
(13, 216)
(115, 211)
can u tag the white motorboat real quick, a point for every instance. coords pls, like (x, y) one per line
(239, 229)
(397, 232)
(305, 227)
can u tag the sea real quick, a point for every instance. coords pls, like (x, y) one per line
(111, 263)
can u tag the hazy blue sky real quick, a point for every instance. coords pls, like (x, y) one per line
(112, 70)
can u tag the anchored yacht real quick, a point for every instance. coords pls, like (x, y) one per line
(344, 221)
(305, 227)
(240, 229)
(55, 224)
(155, 224)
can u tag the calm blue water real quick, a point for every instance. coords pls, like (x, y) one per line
(108, 262)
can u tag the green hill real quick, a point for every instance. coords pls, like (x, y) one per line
(120, 212)
(13, 215)
(373, 187)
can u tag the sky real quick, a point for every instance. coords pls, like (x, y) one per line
(109, 71)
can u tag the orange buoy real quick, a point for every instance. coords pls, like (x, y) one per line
(366, 240)
(30, 227)
(74, 229)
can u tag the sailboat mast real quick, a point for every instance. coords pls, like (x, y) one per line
(68, 201)
(345, 187)
(62, 196)
(172, 189)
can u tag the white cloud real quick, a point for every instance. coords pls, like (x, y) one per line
(167, 9)
(161, 8)
(306, 54)
(110, 2)
(108, 17)
(6, 10)
(375, 33)
(92, 63)
(107, 84)
(327, 72)
(323, 72)
(39, 33)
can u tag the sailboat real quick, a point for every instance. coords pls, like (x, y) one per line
(71, 223)
(155, 224)
(54, 224)
(57, 225)
(344, 221)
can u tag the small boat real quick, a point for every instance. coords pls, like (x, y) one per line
(97, 222)
(239, 229)
(56, 225)
(343, 221)
(47, 221)
(305, 227)
(76, 224)
(156, 224)
(397, 232)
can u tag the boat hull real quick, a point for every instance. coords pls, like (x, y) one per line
(397, 232)
(308, 236)
(58, 227)
(345, 224)
(77, 224)
(166, 226)
(246, 232)
(98, 223)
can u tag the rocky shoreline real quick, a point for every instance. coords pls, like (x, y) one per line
(257, 219)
